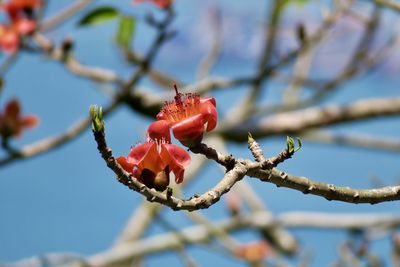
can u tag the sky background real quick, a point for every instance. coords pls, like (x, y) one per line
(67, 200)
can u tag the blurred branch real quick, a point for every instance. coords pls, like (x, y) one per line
(64, 15)
(201, 234)
(270, 35)
(257, 220)
(273, 18)
(277, 235)
(301, 120)
(226, 240)
(246, 106)
(160, 78)
(163, 35)
(49, 143)
(215, 29)
(355, 140)
(389, 3)
(7, 63)
(74, 66)
(361, 60)
(181, 249)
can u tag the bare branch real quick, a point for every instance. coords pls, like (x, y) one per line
(64, 15)
(58, 54)
(355, 140)
(206, 64)
(328, 191)
(389, 3)
(298, 121)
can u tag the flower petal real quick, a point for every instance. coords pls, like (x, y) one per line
(125, 164)
(208, 99)
(177, 158)
(146, 156)
(189, 129)
(138, 152)
(25, 26)
(12, 109)
(159, 130)
(27, 3)
(210, 114)
(9, 42)
(29, 121)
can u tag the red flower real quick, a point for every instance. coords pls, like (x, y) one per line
(188, 116)
(11, 121)
(16, 8)
(160, 3)
(254, 252)
(151, 162)
(21, 23)
(10, 35)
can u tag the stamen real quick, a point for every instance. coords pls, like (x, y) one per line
(178, 95)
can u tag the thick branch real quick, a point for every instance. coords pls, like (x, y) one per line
(328, 191)
(298, 121)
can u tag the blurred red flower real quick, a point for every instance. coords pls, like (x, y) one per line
(255, 251)
(22, 23)
(159, 3)
(11, 121)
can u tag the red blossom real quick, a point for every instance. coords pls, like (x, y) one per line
(11, 121)
(233, 203)
(255, 251)
(21, 23)
(160, 3)
(188, 116)
(150, 163)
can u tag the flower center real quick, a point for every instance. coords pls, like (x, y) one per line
(183, 106)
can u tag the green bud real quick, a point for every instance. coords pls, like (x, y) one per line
(250, 138)
(96, 115)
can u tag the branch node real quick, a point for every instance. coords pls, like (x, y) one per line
(142, 188)
(179, 205)
(356, 197)
(309, 189)
(255, 149)
(169, 193)
(331, 188)
(283, 175)
(268, 177)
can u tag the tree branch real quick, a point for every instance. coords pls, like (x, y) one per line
(298, 121)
